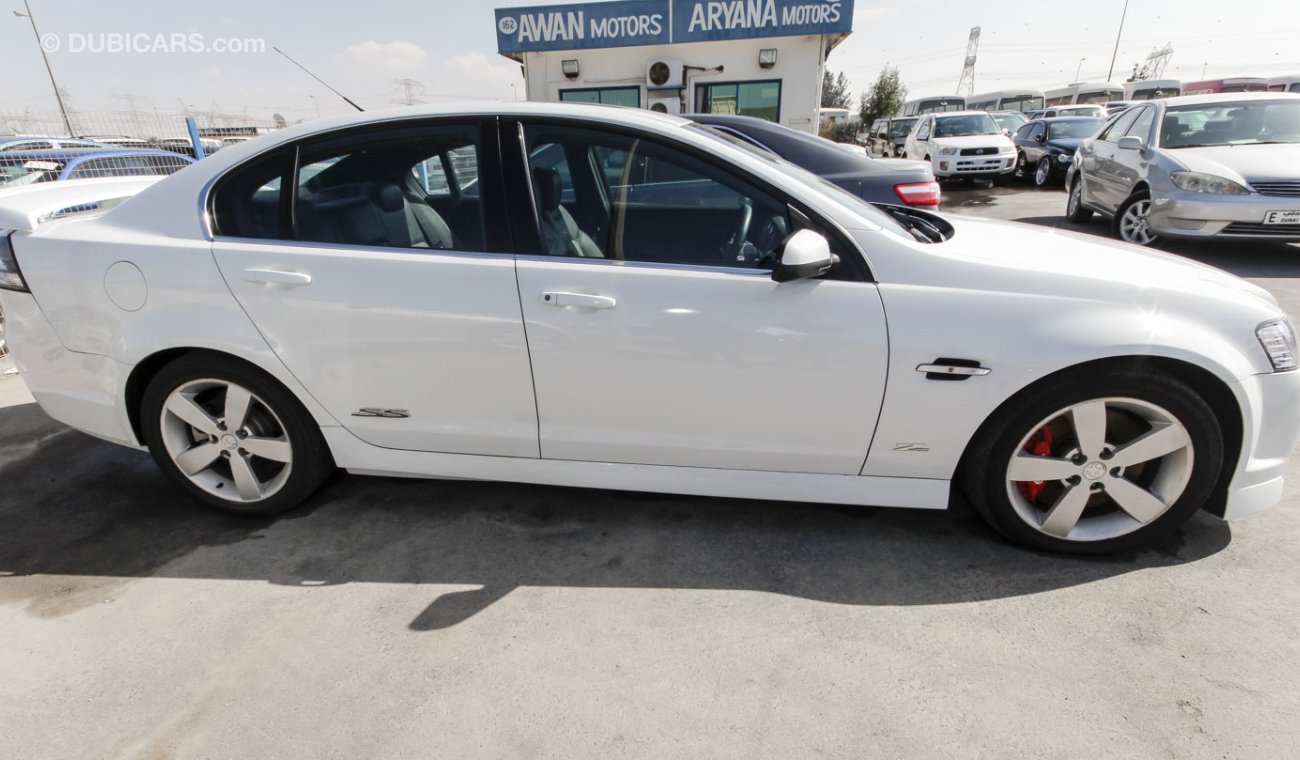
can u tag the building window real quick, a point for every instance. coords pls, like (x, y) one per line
(760, 99)
(610, 96)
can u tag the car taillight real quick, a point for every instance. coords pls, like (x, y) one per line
(10, 277)
(919, 193)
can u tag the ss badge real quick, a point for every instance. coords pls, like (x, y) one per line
(371, 411)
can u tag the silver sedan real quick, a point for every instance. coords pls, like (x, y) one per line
(1205, 166)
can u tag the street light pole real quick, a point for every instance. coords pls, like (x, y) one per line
(1080, 68)
(1118, 34)
(63, 111)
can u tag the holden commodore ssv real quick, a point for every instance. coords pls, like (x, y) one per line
(611, 298)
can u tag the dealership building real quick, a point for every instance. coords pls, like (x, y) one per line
(761, 58)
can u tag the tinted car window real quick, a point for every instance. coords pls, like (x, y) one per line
(367, 190)
(631, 199)
(1119, 127)
(249, 202)
(1142, 124)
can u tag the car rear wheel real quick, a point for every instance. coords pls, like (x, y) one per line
(232, 437)
(1075, 211)
(1043, 173)
(1093, 464)
(1133, 222)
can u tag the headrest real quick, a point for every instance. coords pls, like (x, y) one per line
(546, 183)
(390, 198)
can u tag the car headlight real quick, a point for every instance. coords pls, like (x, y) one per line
(1064, 158)
(947, 151)
(1199, 182)
(1278, 339)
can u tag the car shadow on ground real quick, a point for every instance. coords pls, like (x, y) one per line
(75, 508)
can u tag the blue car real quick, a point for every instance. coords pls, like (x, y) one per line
(29, 167)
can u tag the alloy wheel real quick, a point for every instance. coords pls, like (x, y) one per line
(1043, 173)
(1100, 469)
(1135, 224)
(226, 440)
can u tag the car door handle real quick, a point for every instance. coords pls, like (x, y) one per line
(277, 277)
(585, 300)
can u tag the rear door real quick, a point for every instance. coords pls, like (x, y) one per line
(402, 319)
(672, 345)
(1101, 175)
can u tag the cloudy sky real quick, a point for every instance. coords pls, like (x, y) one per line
(448, 48)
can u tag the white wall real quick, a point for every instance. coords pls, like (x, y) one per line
(799, 67)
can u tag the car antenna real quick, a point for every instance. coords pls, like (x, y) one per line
(318, 79)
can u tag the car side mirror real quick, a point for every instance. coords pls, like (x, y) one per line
(1040, 137)
(803, 255)
(1132, 142)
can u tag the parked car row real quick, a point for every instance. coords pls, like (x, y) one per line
(29, 167)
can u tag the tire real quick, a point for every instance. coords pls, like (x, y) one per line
(270, 462)
(1133, 496)
(1043, 172)
(1075, 211)
(1131, 222)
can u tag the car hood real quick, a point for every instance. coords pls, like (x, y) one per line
(1047, 261)
(1275, 162)
(975, 141)
(1066, 144)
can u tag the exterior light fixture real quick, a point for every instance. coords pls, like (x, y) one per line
(767, 58)
(570, 67)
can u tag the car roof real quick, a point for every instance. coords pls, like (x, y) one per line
(958, 113)
(1070, 119)
(67, 154)
(1226, 97)
(817, 154)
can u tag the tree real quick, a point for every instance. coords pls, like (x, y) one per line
(835, 90)
(885, 98)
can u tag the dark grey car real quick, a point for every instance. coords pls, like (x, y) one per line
(877, 180)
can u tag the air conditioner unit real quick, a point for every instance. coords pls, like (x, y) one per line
(671, 104)
(664, 75)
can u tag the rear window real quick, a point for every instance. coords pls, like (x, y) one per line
(18, 172)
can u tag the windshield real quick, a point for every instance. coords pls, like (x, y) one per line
(963, 126)
(900, 127)
(1011, 121)
(871, 213)
(1074, 130)
(17, 173)
(1243, 123)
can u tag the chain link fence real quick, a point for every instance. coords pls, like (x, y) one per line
(40, 147)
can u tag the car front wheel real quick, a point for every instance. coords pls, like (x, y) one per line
(1133, 222)
(1098, 463)
(1043, 173)
(232, 437)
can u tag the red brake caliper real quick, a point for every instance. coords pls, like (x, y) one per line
(1040, 445)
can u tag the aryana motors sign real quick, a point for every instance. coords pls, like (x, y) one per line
(658, 22)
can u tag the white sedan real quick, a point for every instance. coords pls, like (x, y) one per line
(612, 298)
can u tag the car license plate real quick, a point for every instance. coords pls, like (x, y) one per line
(1282, 217)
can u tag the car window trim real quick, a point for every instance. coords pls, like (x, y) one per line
(532, 236)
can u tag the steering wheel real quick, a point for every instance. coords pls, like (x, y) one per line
(734, 249)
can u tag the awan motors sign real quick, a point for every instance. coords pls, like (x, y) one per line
(658, 22)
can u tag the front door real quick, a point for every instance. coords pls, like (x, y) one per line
(656, 333)
(382, 286)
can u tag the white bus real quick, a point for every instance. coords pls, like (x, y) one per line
(1153, 89)
(1084, 92)
(1006, 100)
(937, 104)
